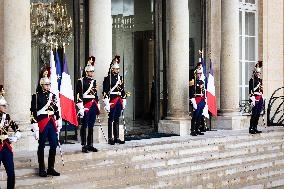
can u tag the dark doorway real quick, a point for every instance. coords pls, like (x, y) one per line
(143, 80)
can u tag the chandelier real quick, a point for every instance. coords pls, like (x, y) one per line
(50, 27)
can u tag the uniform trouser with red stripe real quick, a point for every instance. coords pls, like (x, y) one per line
(113, 120)
(50, 133)
(255, 114)
(6, 157)
(89, 120)
(197, 116)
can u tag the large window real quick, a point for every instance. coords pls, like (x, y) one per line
(248, 38)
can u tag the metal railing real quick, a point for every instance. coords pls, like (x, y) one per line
(275, 110)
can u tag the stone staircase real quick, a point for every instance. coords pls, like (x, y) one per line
(219, 159)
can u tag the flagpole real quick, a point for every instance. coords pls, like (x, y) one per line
(65, 125)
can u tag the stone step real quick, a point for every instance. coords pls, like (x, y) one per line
(150, 162)
(210, 156)
(206, 165)
(89, 176)
(174, 142)
(235, 181)
(223, 177)
(105, 155)
(105, 171)
(205, 150)
(274, 183)
(168, 159)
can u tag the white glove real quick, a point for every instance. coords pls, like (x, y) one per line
(80, 105)
(107, 108)
(107, 105)
(13, 139)
(59, 124)
(252, 98)
(18, 135)
(81, 113)
(35, 129)
(263, 98)
(81, 109)
(99, 106)
(124, 102)
(194, 104)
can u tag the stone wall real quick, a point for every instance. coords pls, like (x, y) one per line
(273, 28)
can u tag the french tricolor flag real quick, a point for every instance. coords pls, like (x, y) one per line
(68, 110)
(211, 97)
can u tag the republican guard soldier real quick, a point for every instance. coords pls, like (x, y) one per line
(46, 123)
(114, 98)
(197, 98)
(256, 97)
(6, 152)
(87, 103)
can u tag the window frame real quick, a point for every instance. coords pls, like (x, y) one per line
(243, 9)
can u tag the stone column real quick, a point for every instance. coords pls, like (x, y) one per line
(177, 121)
(229, 69)
(1, 42)
(17, 65)
(100, 40)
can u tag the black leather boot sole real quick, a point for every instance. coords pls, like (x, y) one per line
(42, 173)
(52, 172)
(193, 134)
(85, 149)
(111, 142)
(119, 141)
(92, 149)
(257, 131)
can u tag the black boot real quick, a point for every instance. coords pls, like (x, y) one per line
(83, 135)
(111, 141)
(51, 161)
(40, 156)
(85, 149)
(251, 126)
(11, 181)
(197, 126)
(199, 132)
(110, 128)
(255, 126)
(192, 133)
(90, 140)
(116, 133)
(202, 125)
(92, 149)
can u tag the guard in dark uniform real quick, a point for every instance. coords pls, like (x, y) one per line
(197, 98)
(114, 98)
(256, 97)
(202, 127)
(6, 152)
(46, 123)
(87, 103)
